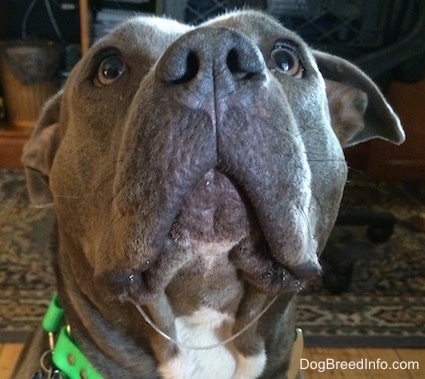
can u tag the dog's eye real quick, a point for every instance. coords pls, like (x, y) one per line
(110, 69)
(287, 61)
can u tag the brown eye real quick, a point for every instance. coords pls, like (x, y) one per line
(110, 69)
(287, 61)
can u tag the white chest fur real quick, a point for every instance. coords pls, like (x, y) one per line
(207, 327)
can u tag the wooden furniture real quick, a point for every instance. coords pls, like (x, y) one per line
(384, 161)
(406, 162)
(12, 138)
(11, 144)
(84, 26)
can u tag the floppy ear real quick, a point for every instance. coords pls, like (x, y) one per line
(39, 151)
(359, 111)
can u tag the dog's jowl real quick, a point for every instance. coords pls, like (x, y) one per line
(195, 174)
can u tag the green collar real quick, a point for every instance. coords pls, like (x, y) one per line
(73, 364)
(66, 355)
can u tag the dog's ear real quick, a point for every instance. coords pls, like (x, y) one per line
(359, 111)
(39, 151)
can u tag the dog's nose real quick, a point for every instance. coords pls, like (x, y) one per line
(211, 56)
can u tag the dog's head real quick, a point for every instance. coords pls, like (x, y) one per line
(174, 145)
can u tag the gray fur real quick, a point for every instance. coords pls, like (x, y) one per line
(201, 142)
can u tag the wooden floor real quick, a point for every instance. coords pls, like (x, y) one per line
(315, 358)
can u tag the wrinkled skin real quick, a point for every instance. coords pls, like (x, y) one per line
(201, 175)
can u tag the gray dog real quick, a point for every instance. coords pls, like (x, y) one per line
(195, 173)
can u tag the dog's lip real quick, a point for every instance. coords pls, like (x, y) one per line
(142, 286)
(281, 278)
(266, 274)
(291, 254)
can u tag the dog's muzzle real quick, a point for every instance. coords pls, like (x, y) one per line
(211, 155)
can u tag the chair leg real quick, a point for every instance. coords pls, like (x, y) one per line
(338, 269)
(338, 265)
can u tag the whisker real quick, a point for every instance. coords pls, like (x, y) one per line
(90, 194)
(318, 157)
(353, 170)
(319, 204)
(327, 160)
(55, 196)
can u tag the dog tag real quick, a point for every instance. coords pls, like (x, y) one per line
(50, 375)
(56, 375)
(38, 375)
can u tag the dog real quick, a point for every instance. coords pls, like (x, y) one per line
(195, 174)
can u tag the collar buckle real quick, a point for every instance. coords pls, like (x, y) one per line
(67, 361)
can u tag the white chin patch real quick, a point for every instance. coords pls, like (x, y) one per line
(208, 327)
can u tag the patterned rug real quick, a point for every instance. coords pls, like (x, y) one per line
(384, 305)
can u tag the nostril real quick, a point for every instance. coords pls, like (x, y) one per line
(211, 54)
(233, 63)
(191, 69)
(239, 68)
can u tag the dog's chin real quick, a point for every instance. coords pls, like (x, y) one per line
(216, 210)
